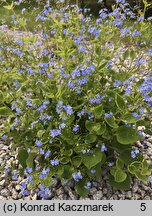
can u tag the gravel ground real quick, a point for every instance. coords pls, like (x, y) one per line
(10, 184)
(101, 190)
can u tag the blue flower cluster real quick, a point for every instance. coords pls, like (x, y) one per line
(77, 176)
(146, 89)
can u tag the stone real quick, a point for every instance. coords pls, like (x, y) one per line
(34, 197)
(18, 187)
(93, 191)
(73, 195)
(105, 190)
(14, 194)
(146, 198)
(60, 191)
(5, 147)
(98, 195)
(129, 194)
(2, 183)
(5, 192)
(54, 182)
(2, 198)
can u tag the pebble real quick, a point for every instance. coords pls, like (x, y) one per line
(34, 197)
(93, 191)
(5, 192)
(60, 191)
(18, 187)
(72, 195)
(98, 195)
(2, 183)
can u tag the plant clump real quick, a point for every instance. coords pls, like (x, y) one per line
(73, 101)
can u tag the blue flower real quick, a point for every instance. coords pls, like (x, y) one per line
(83, 151)
(110, 164)
(47, 154)
(136, 115)
(150, 180)
(93, 171)
(63, 125)
(136, 33)
(38, 143)
(77, 176)
(76, 128)
(103, 148)
(134, 153)
(88, 185)
(68, 109)
(55, 133)
(54, 162)
(117, 83)
(92, 100)
(18, 110)
(58, 107)
(29, 178)
(41, 151)
(81, 49)
(118, 23)
(141, 18)
(29, 169)
(108, 115)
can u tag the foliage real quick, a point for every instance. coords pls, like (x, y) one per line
(70, 101)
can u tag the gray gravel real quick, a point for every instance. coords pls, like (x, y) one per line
(10, 188)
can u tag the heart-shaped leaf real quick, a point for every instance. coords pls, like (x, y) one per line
(90, 138)
(127, 135)
(90, 160)
(111, 122)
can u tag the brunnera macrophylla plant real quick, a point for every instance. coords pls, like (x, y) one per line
(74, 100)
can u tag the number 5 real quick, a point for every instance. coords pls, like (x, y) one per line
(143, 206)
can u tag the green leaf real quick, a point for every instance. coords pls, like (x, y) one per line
(111, 122)
(90, 138)
(113, 171)
(146, 172)
(22, 157)
(96, 127)
(120, 175)
(60, 170)
(68, 170)
(119, 163)
(90, 160)
(132, 169)
(76, 161)
(40, 133)
(102, 129)
(125, 185)
(127, 135)
(141, 177)
(30, 160)
(89, 125)
(98, 111)
(119, 102)
(8, 7)
(1, 97)
(5, 111)
(68, 152)
(145, 165)
(129, 118)
(79, 188)
(64, 160)
(126, 157)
